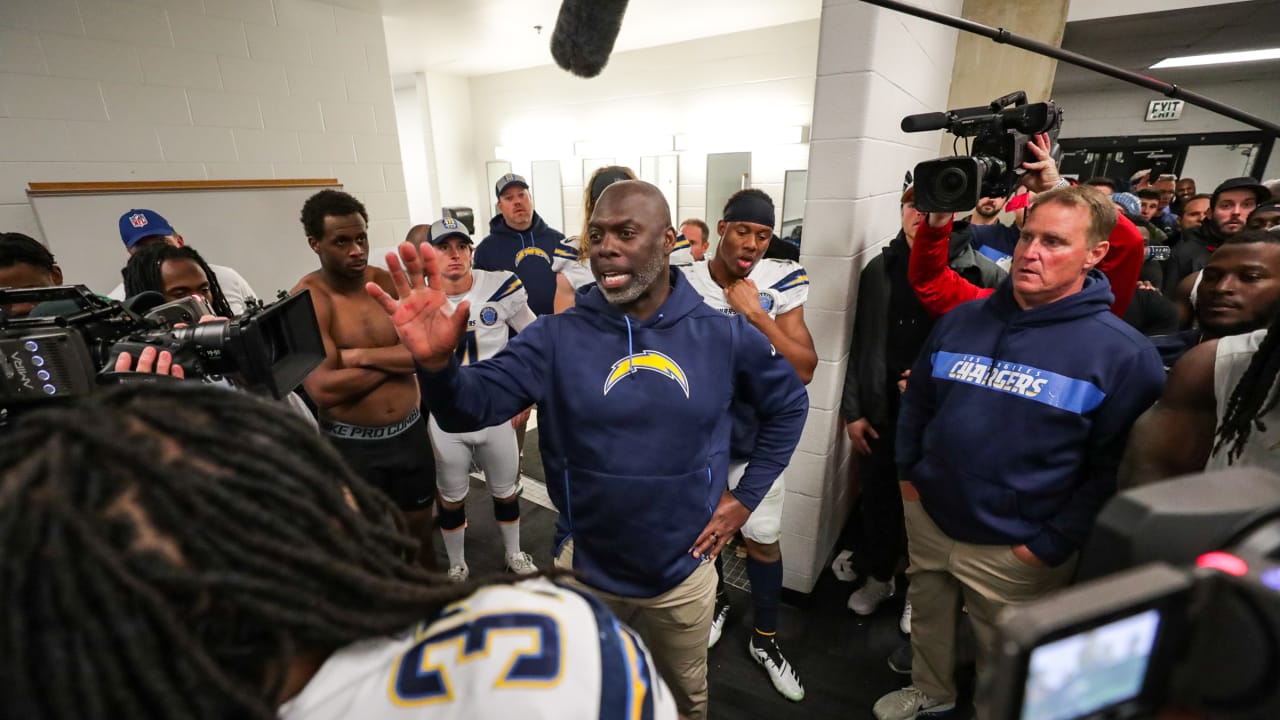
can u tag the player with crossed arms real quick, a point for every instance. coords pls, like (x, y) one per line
(498, 302)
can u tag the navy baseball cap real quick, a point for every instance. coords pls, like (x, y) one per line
(446, 228)
(138, 224)
(508, 180)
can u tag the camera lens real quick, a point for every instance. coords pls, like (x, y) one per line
(951, 185)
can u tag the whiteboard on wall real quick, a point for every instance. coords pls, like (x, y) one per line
(250, 226)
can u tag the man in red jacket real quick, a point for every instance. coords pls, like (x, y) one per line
(940, 288)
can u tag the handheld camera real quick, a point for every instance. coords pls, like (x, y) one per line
(68, 346)
(1195, 625)
(1000, 132)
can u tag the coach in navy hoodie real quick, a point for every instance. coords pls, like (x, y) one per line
(519, 241)
(1010, 437)
(633, 387)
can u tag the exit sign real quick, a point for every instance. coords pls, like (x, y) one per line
(1164, 110)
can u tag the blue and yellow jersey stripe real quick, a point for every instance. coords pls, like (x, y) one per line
(508, 288)
(796, 279)
(626, 686)
(568, 252)
(682, 243)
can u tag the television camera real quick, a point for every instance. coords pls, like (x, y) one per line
(1179, 608)
(1000, 132)
(68, 344)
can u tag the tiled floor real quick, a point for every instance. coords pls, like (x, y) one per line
(841, 658)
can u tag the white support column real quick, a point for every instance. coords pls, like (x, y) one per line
(874, 67)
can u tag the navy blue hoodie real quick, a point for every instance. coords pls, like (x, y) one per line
(1014, 421)
(527, 254)
(636, 453)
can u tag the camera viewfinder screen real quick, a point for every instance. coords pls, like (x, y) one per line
(1091, 670)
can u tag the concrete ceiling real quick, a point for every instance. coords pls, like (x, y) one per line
(1136, 42)
(479, 37)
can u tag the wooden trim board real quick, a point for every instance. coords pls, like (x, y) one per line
(44, 189)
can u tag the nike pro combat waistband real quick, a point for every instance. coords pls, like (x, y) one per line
(362, 432)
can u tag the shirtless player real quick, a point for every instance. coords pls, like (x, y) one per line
(365, 389)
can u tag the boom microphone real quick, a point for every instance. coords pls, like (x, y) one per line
(585, 33)
(924, 122)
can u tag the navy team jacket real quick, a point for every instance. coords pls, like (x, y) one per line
(633, 424)
(1014, 421)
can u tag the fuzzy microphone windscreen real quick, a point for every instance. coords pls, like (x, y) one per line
(585, 33)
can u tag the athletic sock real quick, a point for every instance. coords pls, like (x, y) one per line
(766, 593)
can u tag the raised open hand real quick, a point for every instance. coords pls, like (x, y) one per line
(423, 317)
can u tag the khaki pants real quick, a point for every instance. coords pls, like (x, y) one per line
(675, 626)
(986, 577)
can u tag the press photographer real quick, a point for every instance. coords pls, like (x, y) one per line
(949, 185)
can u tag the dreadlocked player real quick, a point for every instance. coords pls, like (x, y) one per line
(175, 272)
(1223, 386)
(1246, 367)
(150, 573)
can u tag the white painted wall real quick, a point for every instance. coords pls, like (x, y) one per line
(460, 179)
(195, 90)
(414, 133)
(713, 90)
(1095, 9)
(874, 66)
(1122, 111)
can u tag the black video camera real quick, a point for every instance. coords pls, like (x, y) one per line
(70, 348)
(1195, 625)
(1000, 133)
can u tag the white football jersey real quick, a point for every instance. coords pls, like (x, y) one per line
(565, 260)
(498, 301)
(783, 285)
(681, 254)
(529, 650)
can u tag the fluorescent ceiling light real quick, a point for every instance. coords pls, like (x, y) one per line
(1219, 58)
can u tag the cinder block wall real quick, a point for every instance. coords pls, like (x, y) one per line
(197, 90)
(874, 66)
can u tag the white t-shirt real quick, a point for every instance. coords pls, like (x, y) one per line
(498, 301)
(234, 287)
(783, 285)
(531, 650)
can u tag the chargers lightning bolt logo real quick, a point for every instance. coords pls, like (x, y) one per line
(652, 361)
(532, 252)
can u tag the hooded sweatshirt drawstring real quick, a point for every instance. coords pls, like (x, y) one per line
(631, 350)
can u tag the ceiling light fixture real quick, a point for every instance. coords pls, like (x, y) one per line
(1219, 58)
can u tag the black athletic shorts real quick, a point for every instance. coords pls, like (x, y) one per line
(397, 459)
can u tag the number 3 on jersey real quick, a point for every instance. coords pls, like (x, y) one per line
(423, 678)
(469, 349)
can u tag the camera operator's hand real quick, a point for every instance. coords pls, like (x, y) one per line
(938, 219)
(149, 362)
(422, 316)
(1042, 175)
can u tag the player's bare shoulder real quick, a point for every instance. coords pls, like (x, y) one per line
(382, 278)
(315, 283)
